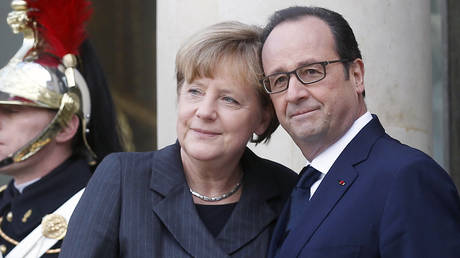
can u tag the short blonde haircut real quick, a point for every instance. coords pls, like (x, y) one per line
(204, 52)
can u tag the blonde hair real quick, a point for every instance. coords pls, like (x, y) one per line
(205, 51)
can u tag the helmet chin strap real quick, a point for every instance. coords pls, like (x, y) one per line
(77, 84)
(69, 106)
(6, 161)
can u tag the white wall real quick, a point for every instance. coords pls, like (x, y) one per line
(394, 37)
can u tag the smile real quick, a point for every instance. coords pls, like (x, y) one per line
(204, 132)
(302, 112)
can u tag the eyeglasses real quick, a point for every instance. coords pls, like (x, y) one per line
(306, 74)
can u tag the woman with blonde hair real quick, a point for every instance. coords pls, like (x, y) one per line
(207, 195)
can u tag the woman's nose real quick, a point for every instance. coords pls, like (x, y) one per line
(207, 109)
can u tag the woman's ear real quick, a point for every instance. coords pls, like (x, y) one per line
(67, 133)
(267, 115)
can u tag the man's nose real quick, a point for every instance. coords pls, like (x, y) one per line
(296, 89)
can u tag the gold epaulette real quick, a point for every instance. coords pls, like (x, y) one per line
(3, 187)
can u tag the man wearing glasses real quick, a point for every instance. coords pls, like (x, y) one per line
(362, 193)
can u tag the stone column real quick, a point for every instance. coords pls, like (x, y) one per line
(394, 37)
(453, 21)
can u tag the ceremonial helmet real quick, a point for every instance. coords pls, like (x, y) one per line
(44, 74)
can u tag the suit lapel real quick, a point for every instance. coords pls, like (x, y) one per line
(279, 233)
(176, 209)
(178, 214)
(253, 213)
(332, 189)
(326, 197)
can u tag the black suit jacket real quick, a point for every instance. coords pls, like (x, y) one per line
(139, 205)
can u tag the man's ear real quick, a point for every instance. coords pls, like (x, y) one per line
(67, 133)
(357, 75)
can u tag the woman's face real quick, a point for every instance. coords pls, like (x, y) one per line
(217, 116)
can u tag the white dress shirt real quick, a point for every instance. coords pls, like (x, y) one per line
(324, 161)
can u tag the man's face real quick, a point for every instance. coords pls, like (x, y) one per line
(19, 125)
(315, 115)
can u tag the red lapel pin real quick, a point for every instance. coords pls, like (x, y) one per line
(342, 183)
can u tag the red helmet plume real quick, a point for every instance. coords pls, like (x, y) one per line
(61, 24)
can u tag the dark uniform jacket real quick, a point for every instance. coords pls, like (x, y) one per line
(22, 213)
(141, 206)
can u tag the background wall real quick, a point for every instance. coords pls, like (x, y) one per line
(122, 33)
(394, 37)
(10, 42)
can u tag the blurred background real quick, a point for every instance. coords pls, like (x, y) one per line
(411, 50)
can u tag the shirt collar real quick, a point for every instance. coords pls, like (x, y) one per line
(20, 187)
(324, 161)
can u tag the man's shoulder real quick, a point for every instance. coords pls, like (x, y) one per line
(394, 150)
(389, 158)
(386, 146)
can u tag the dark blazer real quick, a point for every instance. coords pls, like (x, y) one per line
(39, 199)
(139, 205)
(394, 202)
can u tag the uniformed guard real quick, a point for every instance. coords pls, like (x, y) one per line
(56, 122)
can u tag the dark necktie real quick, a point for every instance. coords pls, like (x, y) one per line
(300, 196)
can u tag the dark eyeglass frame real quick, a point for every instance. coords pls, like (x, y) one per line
(288, 74)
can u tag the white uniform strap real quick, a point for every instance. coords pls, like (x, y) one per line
(35, 244)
